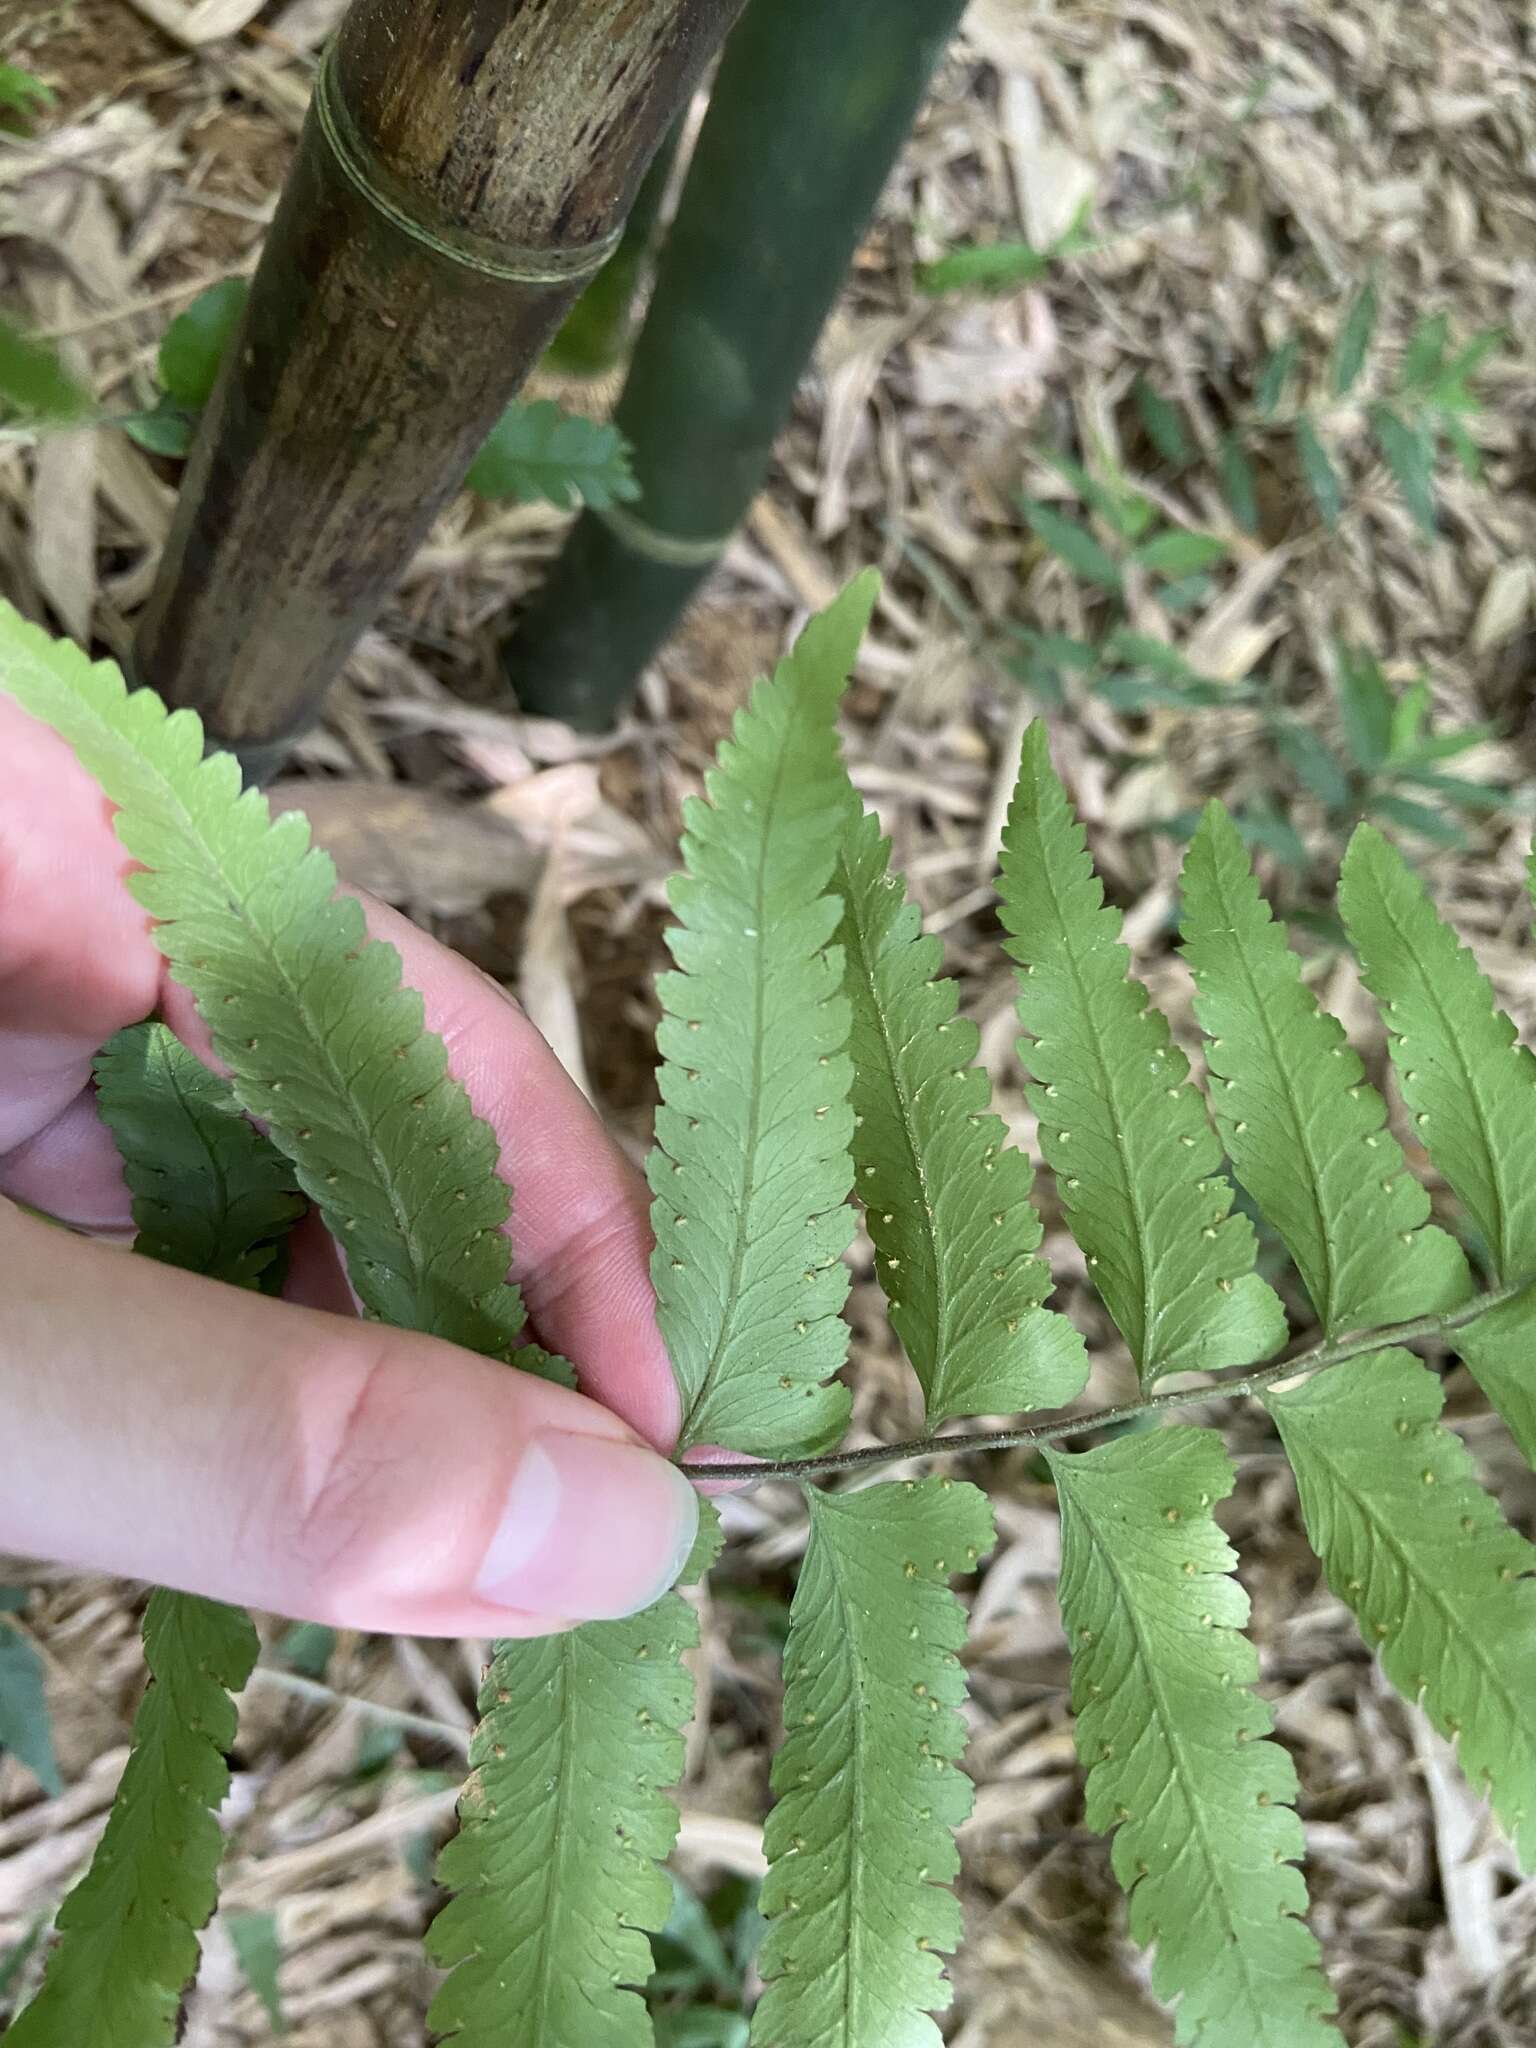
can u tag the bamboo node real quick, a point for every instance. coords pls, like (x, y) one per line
(360, 165)
(674, 550)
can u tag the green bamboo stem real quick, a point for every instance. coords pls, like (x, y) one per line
(596, 332)
(466, 167)
(810, 106)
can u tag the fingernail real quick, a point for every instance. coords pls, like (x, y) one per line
(591, 1529)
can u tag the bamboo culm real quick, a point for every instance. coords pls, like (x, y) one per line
(597, 330)
(464, 170)
(810, 106)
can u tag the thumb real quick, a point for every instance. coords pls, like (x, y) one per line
(166, 1427)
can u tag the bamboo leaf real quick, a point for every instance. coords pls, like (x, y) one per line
(860, 1846)
(1275, 377)
(1164, 424)
(947, 1199)
(1172, 1737)
(1306, 1134)
(1355, 338)
(988, 267)
(1239, 483)
(564, 1825)
(1439, 1582)
(1121, 1125)
(1181, 554)
(1365, 707)
(1409, 454)
(1075, 545)
(1319, 474)
(751, 1170)
(253, 1937)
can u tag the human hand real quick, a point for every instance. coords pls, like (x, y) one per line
(286, 1455)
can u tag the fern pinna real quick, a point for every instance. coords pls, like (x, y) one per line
(813, 1056)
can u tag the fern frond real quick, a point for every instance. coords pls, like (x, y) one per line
(563, 1828)
(751, 1171)
(538, 450)
(1469, 1084)
(860, 1847)
(1305, 1132)
(322, 1042)
(127, 1934)
(946, 1198)
(1172, 1737)
(1438, 1580)
(1121, 1125)
(211, 1195)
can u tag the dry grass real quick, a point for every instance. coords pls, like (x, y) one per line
(1247, 168)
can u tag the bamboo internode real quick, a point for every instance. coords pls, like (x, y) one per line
(465, 168)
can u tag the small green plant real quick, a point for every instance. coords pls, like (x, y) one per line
(1335, 413)
(23, 96)
(537, 451)
(993, 268)
(1386, 764)
(811, 1049)
(1116, 533)
(26, 1729)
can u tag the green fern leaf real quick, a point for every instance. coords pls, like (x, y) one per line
(947, 1200)
(1121, 1125)
(1498, 1350)
(1470, 1086)
(859, 1846)
(127, 1945)
(1440, 1583)
(562, 1831)
(751, 1170)
(211, 1196)
(538, 450)
(1304, 1131)
(210, 1193)
(323, 1044)
(1169, 1730)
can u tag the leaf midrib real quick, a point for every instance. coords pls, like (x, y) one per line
(1440, 1600)
(362, 1126)
(1168, 1722)
(906, 1103)
(562, 1833)
(1469, 1073)
(851, 1971)
(1283, 1068)
(1144, 1366)
(732, 1302)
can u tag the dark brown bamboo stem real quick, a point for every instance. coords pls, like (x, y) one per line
(465, 168)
